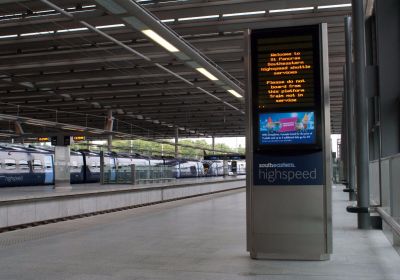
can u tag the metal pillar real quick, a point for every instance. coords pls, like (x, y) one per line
(361, 114)
(343, 160)
(349, 101)
(62, 167)
(109, 127)
(176, 142)
(213, 145)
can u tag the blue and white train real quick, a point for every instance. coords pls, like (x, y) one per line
(32, 166)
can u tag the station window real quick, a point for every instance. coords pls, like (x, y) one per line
(37, 164)
(9, 164)
(23, 164)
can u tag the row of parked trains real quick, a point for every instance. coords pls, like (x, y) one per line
(32, 166)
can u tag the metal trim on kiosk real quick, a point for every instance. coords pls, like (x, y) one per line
(288, 143)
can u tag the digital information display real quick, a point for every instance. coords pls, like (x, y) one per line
(285, 72)
(287, 128)
(286, 87)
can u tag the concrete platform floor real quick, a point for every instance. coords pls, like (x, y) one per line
(32, 192)
(200, 238)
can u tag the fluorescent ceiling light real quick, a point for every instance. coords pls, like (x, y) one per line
(160, 40)
(168, 20)
(207, 74)
(244, 14)
(8, 36)
(198, 18)
(234, 93)
(11, 15)
(110, 26)
(37, 33)
(291, 10)
(334, 6)
(72, 30)
(44, 11)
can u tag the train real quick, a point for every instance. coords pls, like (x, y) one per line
(33, 166)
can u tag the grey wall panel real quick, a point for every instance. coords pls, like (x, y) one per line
(388, 45)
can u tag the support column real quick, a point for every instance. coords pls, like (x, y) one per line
(109, 143)
(109, 127)
(225, 168)
(349, 101)
(213, 145)
(176, 142)
(62, 174)
(361, 114)
(343, 161)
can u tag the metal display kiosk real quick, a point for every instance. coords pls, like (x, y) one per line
(288, 144)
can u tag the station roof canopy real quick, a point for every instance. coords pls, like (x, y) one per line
(54, 67)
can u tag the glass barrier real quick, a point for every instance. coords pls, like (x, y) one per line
(136, 174)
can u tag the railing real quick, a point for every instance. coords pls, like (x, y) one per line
(136, 174)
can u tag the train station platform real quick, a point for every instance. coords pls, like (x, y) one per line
(26, 205)
(196, 238)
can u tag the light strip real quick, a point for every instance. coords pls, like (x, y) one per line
(160, 40)
(198, 18)
(244, 14)
(167, 20)
(234, 93)
(207, 74)
(110, 26)
(334, 6)
(291, 10)
(72, 30)
(37, 33)
(8, 36)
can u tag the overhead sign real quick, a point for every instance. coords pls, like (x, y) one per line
(78, 138)
(43, 139)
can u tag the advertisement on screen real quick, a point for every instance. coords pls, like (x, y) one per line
(287, 128)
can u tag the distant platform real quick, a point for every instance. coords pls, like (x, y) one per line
(25, 205)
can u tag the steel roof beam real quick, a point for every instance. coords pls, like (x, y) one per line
(138, 18)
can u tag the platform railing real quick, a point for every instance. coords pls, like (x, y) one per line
(136, 174)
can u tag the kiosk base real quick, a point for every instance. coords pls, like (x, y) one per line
(265, 256)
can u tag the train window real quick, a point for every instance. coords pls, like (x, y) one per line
(48, 163)
(23, 164)
(37, 164)
(74, 164)
(93, 164)
(10, 164)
